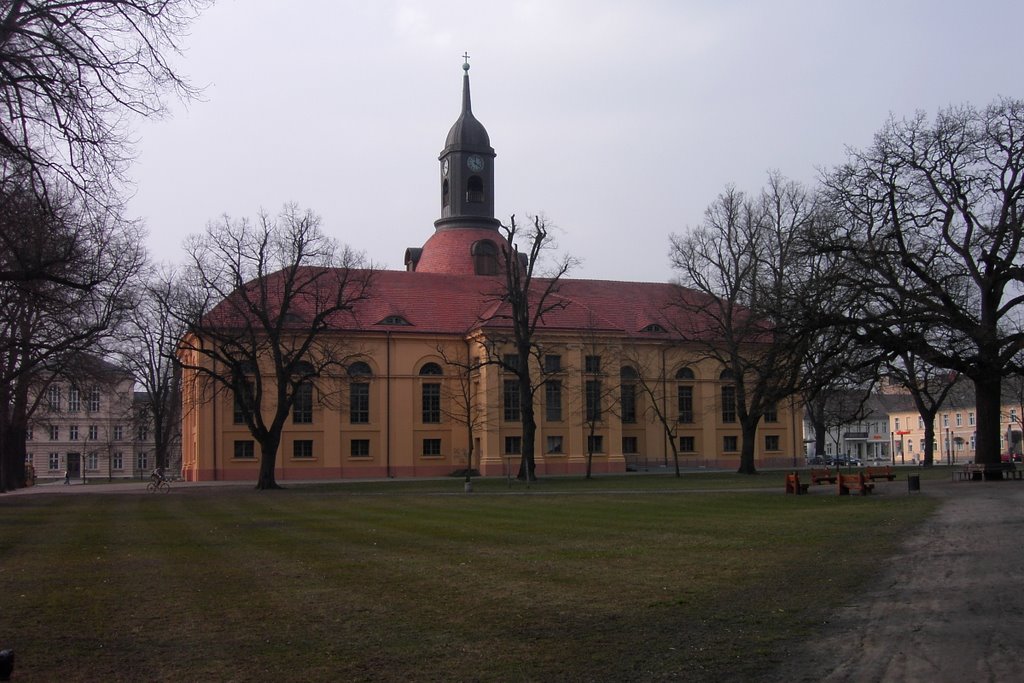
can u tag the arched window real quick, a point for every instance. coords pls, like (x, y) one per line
(475, 189)
(685, 374)
(485, 257)
(431, 369)
(728, 396)
(359, 369)
(445, 198)
(628, 372)
(359, 392)
(684, 395)
(431, 394)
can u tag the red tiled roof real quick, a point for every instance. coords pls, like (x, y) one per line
(455, 304)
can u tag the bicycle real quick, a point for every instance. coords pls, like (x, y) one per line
(155, 485)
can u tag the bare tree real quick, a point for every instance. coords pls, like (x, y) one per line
(71, 75)
(462, 401)
(146, 348)
(528, 290)
(657, 405)
(66, 281)
(264, 304)
(746, 262)
(930, 223)
(928, 386)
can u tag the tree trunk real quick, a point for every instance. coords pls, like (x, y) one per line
(749, 428)
(268, 461)
(988, 403)
(929, 439)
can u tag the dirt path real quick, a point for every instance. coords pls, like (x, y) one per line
(949, 606)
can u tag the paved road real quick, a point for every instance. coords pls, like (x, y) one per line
(949, 606)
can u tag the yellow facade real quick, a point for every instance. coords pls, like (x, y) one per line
(395, 441)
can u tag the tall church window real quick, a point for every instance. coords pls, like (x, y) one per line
(431, 394)
(359, 393)
(475, 190)
(445, 193)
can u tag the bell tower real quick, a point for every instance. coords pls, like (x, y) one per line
(466, 239)
(467, 170)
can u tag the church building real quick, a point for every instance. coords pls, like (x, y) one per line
(615, 356)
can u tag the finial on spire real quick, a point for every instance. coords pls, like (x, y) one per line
(465, 65)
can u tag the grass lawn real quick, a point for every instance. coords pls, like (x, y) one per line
(620, 578)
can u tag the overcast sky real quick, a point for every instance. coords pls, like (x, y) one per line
(619, 121)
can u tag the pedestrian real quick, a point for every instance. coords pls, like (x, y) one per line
(67, 476)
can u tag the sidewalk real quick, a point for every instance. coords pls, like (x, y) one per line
(949, 605)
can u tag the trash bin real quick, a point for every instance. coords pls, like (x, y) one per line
(913, 482)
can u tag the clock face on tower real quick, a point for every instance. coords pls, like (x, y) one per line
(475, 163)
(444, 167)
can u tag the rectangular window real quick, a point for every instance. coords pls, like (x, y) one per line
(28, 433)
(729, 403)
(94, 399)
(552, 363)
(686, 404)
(73, 433)
(592, 364)
(54, 461)
(595, 443)
(593, 396)
(510, 362)
(959, 420)
(627, 403)
(245, 450)
(360, 448)
(512, 401)
(513, 445)
(970, 419)
(771, 413)
(142, 461)
(431, 403)
(302, 448)
(896, 423)
(1013, 415)
(730, 443)
(92, 461)
(302, 407)
(945, 420)
(359, 403)
(432, 447)
(554, 444)
(143, 433)
(118, 432)
(54, 433)
(53, 399)
(771, 442)
(553, 400)
(629, 445)
(687, 444)
(94, 432)
(117, 461)
(920, 422)
(74, 400)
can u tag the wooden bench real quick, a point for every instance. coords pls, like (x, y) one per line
(848, 483)
(820, 476)
(973, 471)
(873, 473)
(793, 484)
